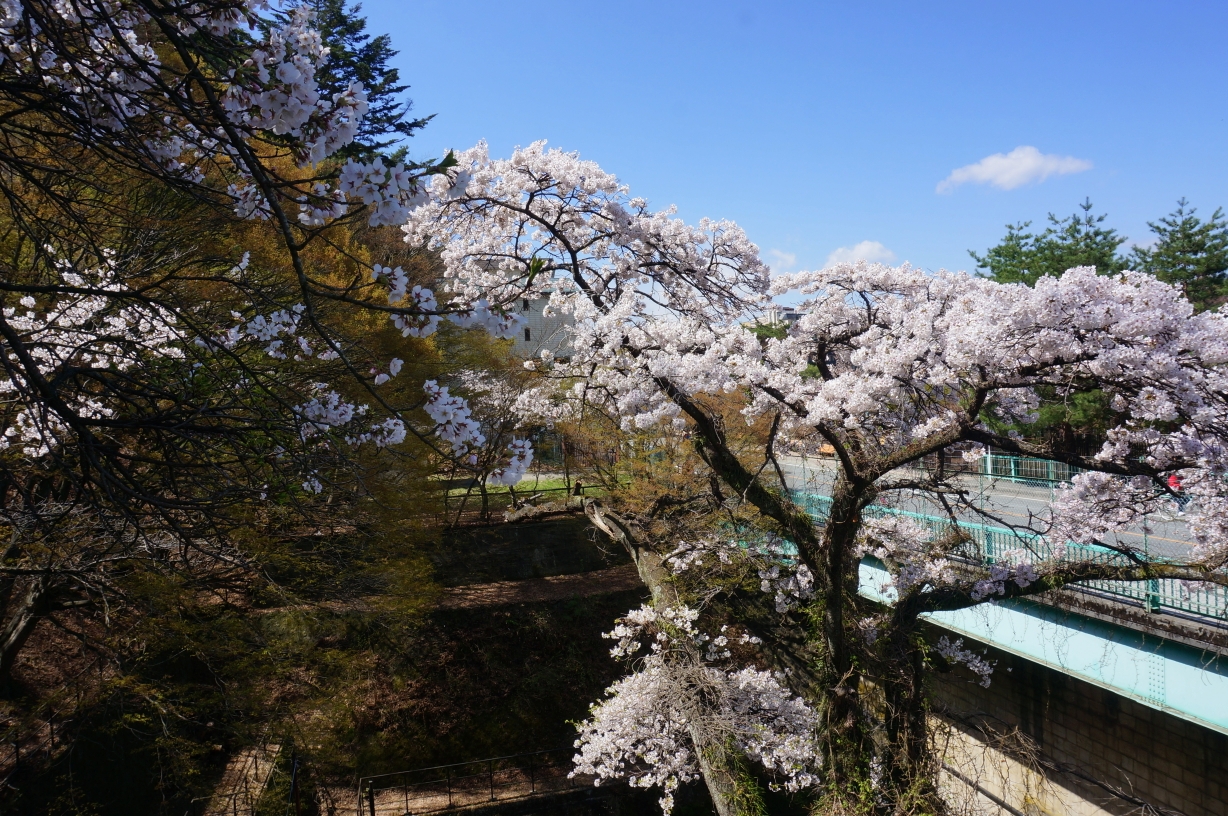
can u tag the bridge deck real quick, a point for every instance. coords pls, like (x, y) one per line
(1111, 646)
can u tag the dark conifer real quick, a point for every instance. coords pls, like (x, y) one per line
(1078, 240)
(355, 56)
(1190, 253)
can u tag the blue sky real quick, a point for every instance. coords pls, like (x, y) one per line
(820, 126)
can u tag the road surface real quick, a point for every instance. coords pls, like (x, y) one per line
(1007, 503)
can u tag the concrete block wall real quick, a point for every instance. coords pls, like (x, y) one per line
(1100, 752)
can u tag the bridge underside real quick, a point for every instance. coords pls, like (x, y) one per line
(1175, 678)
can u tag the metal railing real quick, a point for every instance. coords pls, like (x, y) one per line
(462, 505)
(245, 780)
(466, 784)
(223, 804)
(34, 750)
(1026, 470)
(989, 544)
(1000, 466)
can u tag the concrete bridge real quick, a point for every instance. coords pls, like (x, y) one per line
(1109, 698)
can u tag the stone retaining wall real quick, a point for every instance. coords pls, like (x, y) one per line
(1093, 751)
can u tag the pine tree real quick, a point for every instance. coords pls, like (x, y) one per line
(1190, 253)
(354, 56)
(1078, 240)
(1071, 416)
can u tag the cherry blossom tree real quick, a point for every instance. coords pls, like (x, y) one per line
(887, 366)
(189, 329)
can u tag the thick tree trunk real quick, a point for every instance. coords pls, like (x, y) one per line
(718, 767)
(25, 610)
(720, 774)
(842, 706)
(907, 759)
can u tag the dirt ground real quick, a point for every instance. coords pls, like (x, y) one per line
(553, 588)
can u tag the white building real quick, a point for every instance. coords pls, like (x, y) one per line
(540, 331)
(777, 315)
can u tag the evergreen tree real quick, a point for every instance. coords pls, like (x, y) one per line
(1071, 416)
(1190, 253)
(354, 56)
(1078, 240)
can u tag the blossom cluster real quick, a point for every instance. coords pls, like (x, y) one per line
(82, 332)
(1021, 575)
(956, 653)
(495, 249)
(382, 434)
(902, 544)
(646, 729)
(461, 422)
(276, 90)
(454, 423)
(418, 316)
(390, 192)
(664, 626)
(788, 586)
(268, 329)
(896, 340)
(331, 411)
(694, 554)
(521, 451)
(325, 412)
(772, 559)
(480, 315)
(637, 735)
(324, 204)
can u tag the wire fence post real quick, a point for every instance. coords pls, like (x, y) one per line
(1153, 585)
(490, 771)
(295, 798)
(371, 798)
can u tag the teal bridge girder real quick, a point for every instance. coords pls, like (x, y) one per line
(992, 544)
(1177, 678)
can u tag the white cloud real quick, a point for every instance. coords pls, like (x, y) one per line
(1006, 171)
(781, 261)
(871, 251)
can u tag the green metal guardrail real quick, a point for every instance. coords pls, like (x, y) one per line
(1026, 470)
(1007, 467)
(990, 544)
